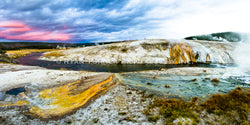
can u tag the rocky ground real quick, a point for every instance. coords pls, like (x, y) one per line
(123, 103)
(17, 75)
(120, 105)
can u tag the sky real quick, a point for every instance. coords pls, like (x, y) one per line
(115, 20)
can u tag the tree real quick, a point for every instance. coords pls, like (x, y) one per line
(2, 51)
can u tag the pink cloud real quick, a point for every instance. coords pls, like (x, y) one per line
(13, 30)
(11, 24)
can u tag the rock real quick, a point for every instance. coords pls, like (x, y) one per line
(129, 119)
(167, 86)
(238, 88)
(133, 99)
(122, 113)
(207, 78)
(68, 121)
(154, 77)
(214, 83)
(2, 119)
(193, 80)
(129, 92)
(160, 69)
(194, 99)
(95, 120)
(153, 118)
(149, 83)
(2, 96)
(143, 99)
(215, 80)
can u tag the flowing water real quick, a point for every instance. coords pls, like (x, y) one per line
(32, 60)
(181, 86)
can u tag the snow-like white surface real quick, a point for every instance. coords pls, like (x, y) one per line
(135, 53)
(16, 75)
(104, 111)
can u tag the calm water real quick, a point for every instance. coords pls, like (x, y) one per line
(32, 60)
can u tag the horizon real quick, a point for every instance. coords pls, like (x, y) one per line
(88, 21)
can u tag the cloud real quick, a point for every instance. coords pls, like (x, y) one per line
(13, 30)
(111, 20)
(12, 24)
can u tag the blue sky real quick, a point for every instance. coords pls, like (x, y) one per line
(113, 20)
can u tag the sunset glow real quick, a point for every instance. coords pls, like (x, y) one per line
(118, 20)
(13, 30)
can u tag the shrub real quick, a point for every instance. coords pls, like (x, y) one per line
(223, 104)
(172, 109)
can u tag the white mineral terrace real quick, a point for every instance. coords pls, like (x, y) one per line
(154, 51)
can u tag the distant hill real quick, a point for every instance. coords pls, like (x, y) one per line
(48, 45)
(222, 36)
(37, 45)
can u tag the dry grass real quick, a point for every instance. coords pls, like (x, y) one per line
(230, 108)
(20, 53)
(172, 109)
(160, 46)
(225, 104)
(122, 49)
(53, 54)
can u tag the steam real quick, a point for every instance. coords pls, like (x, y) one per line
(242, 53)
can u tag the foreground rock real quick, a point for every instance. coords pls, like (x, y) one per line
(18, 75)
(120, 105)
(151, 52)
(33, 88)
(4, 58)
(33, 95)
